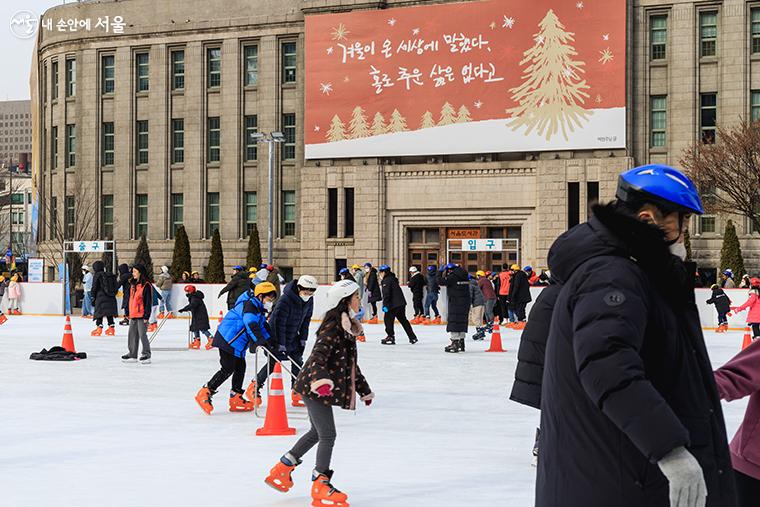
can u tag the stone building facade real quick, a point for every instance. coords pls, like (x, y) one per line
(157, 121)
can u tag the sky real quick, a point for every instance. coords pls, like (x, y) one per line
(16, 56)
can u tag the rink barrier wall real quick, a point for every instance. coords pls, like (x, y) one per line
(45, 299)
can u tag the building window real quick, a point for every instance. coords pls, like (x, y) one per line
(71, 77)
(658, 36)
(54, 85)
(214, 67)
(141, 215)
(251, 65)
(708, 33)
(755, 105)
(708, 117)
(332, 212)
(658, 121)
(755, 29)
(53, 218)
(178, 70)
(106, 217)
(108, 80)
(54, 148)
(17, 198)
(592, 195)
(707, 224)
(289, 130)
(71, 145)
(17, 218)
(288, 62)
(348, 208)
(69, 217)
(212, 213)
(177, 213)
(214, 137)
(251, 147)
(142, 69)
(107, 157)
(288, 213)
(44, 83)
(178, 141)
(251, 212)
(573, 204)
(141, 155)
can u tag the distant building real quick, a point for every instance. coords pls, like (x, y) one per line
(15, 133)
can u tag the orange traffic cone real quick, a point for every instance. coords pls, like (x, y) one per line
(68, 336)
(276, 422)
(495, 338)
(747, 338)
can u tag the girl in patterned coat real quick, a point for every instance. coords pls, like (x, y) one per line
(330, 377)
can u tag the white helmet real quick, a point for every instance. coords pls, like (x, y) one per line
(164, 269)
(307, 282)
(85, 267)
(339, 291)
(413, 269)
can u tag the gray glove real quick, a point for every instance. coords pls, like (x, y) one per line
(687, 481)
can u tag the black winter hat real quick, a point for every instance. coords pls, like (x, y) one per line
(98, 266)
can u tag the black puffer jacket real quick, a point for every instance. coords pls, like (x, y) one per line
(373, 287)
(530, 356)
(432, 283)
(124, 276)
(104, 304)
(290, 320)
(720, 300)
(198, 312)
(236, 288)
(519, 288)
(417, 285)
(627, 377)
(393, 296)
(458, 295)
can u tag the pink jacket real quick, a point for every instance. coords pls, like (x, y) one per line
(14, 290)
(753, 303)
(736, 379)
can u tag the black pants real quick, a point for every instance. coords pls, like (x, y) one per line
(755, 330)
(418, 308)
(400, 314)
(504, 306)
(99, 321)
(231, 366)
(373, 305)
(520, 311)
(722, 318)
(295, 369)
(748, 489)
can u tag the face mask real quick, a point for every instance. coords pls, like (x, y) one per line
(679, 250)
(268, 306)
(306, 298)
(351, 313)
(366, 270)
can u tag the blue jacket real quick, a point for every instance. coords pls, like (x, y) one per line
(243, 326)
(290, 319)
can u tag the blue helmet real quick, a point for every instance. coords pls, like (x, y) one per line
(431, 269)
(367, 264)
(263, 266)
(238, 268)
(384, 267)
(528, 269)
(450, 265)
(343, 271)
(728, 273)
(661, 185)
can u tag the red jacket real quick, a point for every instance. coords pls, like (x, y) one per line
(140, 300)
(504, 278)
(753, 303)
(486, 287)
(736, 379)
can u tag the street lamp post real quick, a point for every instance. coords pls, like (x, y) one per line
(270, 139)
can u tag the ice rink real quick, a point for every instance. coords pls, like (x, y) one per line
(441, 432)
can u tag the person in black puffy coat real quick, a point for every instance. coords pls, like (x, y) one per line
(457, 283)
(394, 307)
(630, 414)
(238, 284)
(722, 306)
(374, 292)
(198, 317)
(417, 286)
(103, 296)
(123, 279)
(519, 294)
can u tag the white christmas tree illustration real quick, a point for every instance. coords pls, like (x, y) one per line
(448, 115)
(337, 130)
(463, 115)
(358, 127)
(427, 120)
(378, 125)
(552, 90)
(397, 123)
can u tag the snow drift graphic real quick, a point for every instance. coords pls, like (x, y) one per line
(491, 76)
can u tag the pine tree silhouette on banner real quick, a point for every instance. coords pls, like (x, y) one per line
(448, 115)
(378, 125)
(337, 130)
(463, 115)
(397, 123)
(358, 125)
(427, 120)
(552, 90)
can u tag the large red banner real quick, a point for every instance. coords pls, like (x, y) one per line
(475, 77)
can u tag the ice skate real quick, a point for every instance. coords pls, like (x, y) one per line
(124, 322)
(388, 340)
(152, 327)
(210, 344)
(203, 398)
(97, 331)
(460, 343)
(195, 344)
(111, 331)
(324, 494)
(169, 315)
(413, 340)
(145, 359)
(453, 347)
(296, 400)
(281, 475)
(437, 320)
(161, 316)
(252, 393)
(239, 404)
(373, 320)
(126, 358)
(3, 318)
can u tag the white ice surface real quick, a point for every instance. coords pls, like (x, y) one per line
(97, 432)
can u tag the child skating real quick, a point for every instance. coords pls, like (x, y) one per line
(244, 325)
(722, 306)
(199, 317)
(14, 294)
(3, 286)
(330, 377)
(753, 304)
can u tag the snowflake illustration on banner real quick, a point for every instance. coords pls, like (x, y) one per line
(553, 89)
(606, 57)
(340, 32)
